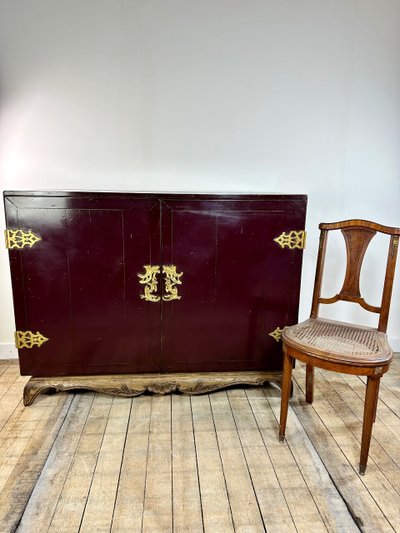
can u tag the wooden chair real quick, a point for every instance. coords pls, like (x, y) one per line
(340, 346)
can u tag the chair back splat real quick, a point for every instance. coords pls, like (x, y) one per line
(339, 346)
(357, 234)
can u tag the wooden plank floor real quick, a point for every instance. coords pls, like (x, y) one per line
(93, 463)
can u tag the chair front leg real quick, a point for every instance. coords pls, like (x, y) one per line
(376, 400)
(371, 399)
(286, 384)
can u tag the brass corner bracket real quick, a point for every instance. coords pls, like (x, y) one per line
(28, 339)
(276, 334)
(18, 238)
(293, 239)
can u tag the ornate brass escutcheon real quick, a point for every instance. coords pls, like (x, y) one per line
(276, 334)
(28, 339)
(18, 238)
(172, 278)
(149, 280)
(293, 239)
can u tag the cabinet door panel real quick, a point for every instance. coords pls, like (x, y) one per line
(80, 284)
(238, 284)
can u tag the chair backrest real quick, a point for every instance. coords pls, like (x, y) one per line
(357, 234)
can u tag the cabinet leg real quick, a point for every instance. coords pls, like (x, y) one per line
(32, 391)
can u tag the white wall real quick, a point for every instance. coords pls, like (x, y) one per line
(210, 95)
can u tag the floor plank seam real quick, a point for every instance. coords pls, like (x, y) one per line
(358, 520)
(147, 463)
(357, 434)
(197, 466)
(70, 466)
(96, 463)
(300, 470)
(44, 464)
(222, 464)
(272, 463)
(5, 422)
(326, 429)
(246, 461)
(172, 462)
(122, 460)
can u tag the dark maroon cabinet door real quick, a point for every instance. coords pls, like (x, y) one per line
(231, 283)
(79, 285)
(238, 284)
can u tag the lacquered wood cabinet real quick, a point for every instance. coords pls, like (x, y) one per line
(152, 285)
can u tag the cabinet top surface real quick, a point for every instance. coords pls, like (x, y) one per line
(164, 194)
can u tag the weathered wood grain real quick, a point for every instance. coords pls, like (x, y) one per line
(15, 494)
(187, 515)
(243, 502)
(339, 453)
(128, 510)
(217, 513)
(157, 509)
(75, 490)
(45, 495)
(101, 500)
(299, 499)
(210, 463)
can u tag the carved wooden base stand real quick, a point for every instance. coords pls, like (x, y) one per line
(129, 385)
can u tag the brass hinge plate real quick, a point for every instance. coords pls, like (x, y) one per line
(292, 239)
(276, 334)
(28, 339)
(18, 238)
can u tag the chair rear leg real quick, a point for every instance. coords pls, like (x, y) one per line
(371, 399)
(286, 386)
(309, 383)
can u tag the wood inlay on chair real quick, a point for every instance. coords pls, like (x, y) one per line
(339, 346)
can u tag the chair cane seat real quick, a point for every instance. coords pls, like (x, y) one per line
(339, 342)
